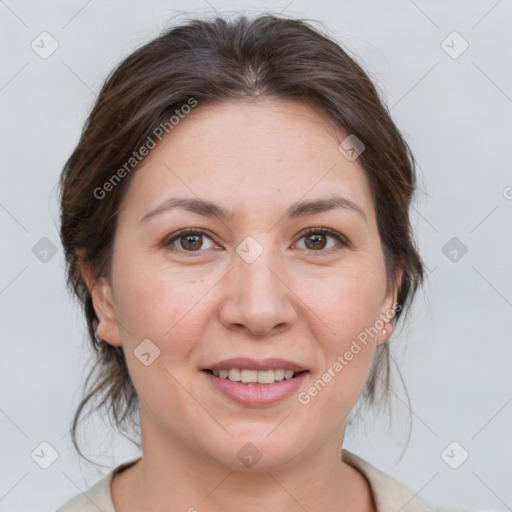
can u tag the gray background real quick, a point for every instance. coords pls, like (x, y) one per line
(455, 354)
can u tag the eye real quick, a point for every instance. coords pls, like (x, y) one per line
(190, 240)
(316, 239)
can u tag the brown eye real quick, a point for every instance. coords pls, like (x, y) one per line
(192, 242)
(317, 239)
(188, 240)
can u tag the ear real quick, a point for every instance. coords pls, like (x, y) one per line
(103, 302)
(388, 306)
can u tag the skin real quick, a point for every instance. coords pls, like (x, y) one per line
(294, 301)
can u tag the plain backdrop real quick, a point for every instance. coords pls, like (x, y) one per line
(450, 95)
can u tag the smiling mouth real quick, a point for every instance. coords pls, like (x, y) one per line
(245, 376)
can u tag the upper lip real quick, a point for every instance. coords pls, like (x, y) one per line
(254, 364)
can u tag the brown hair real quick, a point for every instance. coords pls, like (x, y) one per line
(221, 60)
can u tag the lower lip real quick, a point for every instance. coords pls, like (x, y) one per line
(255, 394)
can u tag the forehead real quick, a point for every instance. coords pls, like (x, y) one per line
(250, 153)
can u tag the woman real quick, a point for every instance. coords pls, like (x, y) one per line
(235, 222)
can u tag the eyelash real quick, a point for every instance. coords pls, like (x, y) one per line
(310, 231)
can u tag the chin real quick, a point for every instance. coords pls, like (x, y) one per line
(256, 452)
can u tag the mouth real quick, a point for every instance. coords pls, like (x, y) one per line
(248, 376)
(255, 383)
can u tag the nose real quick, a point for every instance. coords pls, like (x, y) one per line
(257, 298)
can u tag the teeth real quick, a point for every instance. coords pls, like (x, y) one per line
(247, 376)
(265, 376)
(279, 374)
(234, 375)
(252, 376)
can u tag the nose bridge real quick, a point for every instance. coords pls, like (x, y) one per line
(258, 297)
(257, 266)
(259, 276)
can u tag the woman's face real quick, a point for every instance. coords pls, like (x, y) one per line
(252, 284)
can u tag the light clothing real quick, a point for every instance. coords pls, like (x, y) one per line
(389, 495)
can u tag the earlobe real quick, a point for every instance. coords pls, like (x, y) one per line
(102, 297)
(103, 303)
(390, 309)
(385, 333)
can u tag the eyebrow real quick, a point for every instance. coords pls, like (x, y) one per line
(299, 209)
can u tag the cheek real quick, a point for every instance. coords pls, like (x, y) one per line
(350, 307)
(158, 306)
(348, 302)
(162, 305)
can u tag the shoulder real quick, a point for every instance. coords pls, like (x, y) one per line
(98, 497)
(388, 493)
